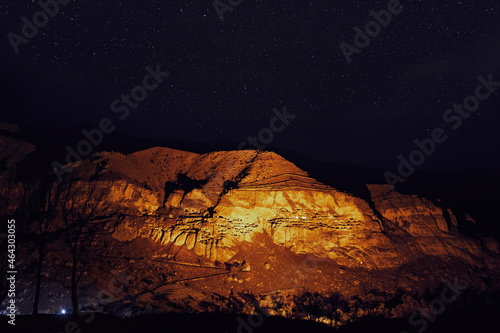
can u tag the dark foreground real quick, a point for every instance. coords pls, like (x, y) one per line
(463, 320)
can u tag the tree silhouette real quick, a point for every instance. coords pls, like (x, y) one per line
(81, 202)
(309, 304)
(38, 207)
(7, 195)
(334, 305)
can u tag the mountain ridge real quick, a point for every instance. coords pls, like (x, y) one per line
(263, 217)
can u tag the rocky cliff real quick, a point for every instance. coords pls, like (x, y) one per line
(212, 202)
(177, 216)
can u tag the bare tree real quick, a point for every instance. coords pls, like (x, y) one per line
(38, 206)
(81, 202)
(334, 305)
(7, 196)
(309, 304)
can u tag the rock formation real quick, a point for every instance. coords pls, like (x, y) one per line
(264, 217)
(212, 202)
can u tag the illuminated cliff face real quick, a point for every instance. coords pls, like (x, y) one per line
(252, 222)
(212, 203)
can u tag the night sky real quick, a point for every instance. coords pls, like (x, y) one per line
(227, 76)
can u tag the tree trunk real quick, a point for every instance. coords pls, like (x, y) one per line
(36, 299)
(74, 292)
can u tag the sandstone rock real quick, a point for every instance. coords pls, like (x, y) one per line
(491, 244)
(214, 202)
(222, 204)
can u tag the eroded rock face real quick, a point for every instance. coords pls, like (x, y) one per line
(134, 198)
(212, 203)
(241, 209)
(425, 228)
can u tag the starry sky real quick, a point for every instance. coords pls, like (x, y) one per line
(226, 76)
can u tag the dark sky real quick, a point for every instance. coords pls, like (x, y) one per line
(227, 76)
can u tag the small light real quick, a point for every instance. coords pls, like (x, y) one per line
(63, 311)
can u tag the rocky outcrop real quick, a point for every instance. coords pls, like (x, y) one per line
(212, 203)
(251, 222)
(425, 229)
